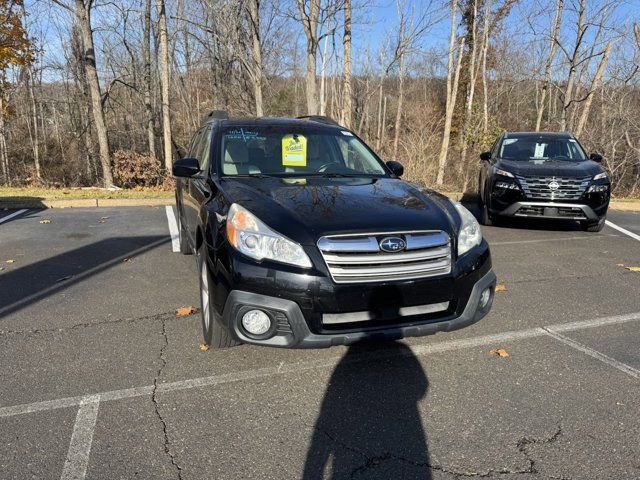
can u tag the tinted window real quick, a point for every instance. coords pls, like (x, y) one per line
(541, 148)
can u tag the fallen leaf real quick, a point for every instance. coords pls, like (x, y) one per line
(186, 311)
(10, 261)
(127, 259)
(619, 264)
(204, 347)
(633, 269)
(1, 268)
(103, 219)
(501, 287)
(45, 221)
(500, 352)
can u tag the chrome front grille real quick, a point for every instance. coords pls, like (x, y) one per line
(358, 258)
(568, 188)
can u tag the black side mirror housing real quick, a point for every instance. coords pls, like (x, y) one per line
(596, 157)
(485, 156)
(186, 167)
(396, 168)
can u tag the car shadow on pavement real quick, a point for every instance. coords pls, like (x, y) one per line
(369, 425)
(24, 286)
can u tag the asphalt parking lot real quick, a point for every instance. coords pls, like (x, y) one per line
(101, 379)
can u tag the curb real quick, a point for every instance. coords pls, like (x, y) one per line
(88, 202)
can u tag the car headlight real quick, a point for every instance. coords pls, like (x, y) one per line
(504, 173)
(469, 235)
(601, 175)
(253, 238)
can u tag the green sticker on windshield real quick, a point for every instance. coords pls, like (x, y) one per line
(294, 150)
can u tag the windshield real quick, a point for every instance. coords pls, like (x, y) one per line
(295, 151)
(541, 149)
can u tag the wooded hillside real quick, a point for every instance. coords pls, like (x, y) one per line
(96, 92)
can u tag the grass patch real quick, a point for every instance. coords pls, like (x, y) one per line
(16, 193)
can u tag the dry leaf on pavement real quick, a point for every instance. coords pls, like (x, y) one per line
(103, 219)
(501, 287)
(45, 221)
(500, 352)
(633, 269)
(186, 310)
(619, 264)
(127, 260)
(204, 347)
(11, 260)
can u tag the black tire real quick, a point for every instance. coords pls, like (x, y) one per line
(185, 248)
(214, 333)
(486, 218)
(593, 226)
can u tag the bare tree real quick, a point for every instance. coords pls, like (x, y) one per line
(453, 78)
(347, 101)
(553, 43)
(147, 81)
(310, 14)
(164, 80)
(594, 86)
(82, 10)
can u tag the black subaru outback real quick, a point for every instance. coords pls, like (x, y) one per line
(305, 238)
(543, 175)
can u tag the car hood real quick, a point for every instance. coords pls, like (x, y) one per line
(554, 168)
(306, 209)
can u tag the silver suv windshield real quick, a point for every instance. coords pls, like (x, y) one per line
(540, 149)
(292, 151)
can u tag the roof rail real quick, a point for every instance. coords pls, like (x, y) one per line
(319, 119)
(216, 115)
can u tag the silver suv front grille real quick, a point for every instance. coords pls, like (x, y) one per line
(358, 258)
(568, 188)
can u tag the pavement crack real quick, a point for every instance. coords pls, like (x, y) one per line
(524, 443)
(77, 326)
(156, 406)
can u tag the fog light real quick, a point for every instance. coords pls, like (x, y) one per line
(484, 297)
(256, 322)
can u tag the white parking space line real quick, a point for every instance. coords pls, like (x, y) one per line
(623, 230)
(75, 466)
(299, 367)
(173, 228)
(559, 239)
(12, 215)
(623, 367)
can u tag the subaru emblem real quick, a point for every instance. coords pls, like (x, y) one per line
(392, 244)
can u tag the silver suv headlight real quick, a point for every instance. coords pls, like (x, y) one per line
(469, 234)
(253, 238)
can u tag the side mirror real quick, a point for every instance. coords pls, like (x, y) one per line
(485, 156)
(396, 168)
(186, 167)
(596, 157)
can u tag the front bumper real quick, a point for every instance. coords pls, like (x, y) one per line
(293, 330)
(550, 210)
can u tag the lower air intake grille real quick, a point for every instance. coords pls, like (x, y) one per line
(358, 258)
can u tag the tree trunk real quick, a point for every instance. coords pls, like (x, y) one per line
(146, 53)
(347, 105)
(453, 77)
(310, 24)
(473, 74)
(594, 85)
(89, 60)
(4, 157)
(323, 77)
(256, 49)
(398, 125)
(573, 65)
(485, 87)
(164, 78)
(552, 53)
